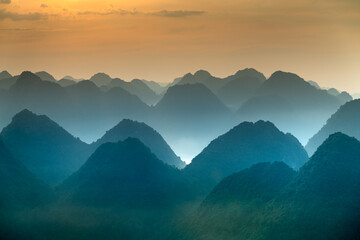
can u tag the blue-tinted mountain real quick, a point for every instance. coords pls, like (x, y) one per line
(202, 77)
(138, 88)
(289, 101)
(320, 201)
(64, 82)
(240, 87)
(45, 76)
(18, 186)
(240, 148)
(45, 148)
(346, 120)
(126, 174)
(101, 79)
(152, 139)
(4, 75)
(229, 211)
(156, 87)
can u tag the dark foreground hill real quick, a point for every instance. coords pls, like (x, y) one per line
(241, 147)
(152, 139)
(268, 202)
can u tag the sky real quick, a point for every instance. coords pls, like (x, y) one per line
(160, 40)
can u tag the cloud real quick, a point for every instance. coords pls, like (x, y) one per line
(177, 13)
(43, 5)
(5, 1)
(120, 12)
(20, 17)
(162, 13)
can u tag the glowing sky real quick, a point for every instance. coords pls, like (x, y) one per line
(160, 40)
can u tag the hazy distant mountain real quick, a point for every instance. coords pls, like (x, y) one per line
(244, 145)
(289, 101)
(138, 88)
(189, 116)
(64, 82)
(128, 175)
(315, 84)
(18, 187)
(240, 87)
(345, 120)
(152, 139)
(101, 79)
(4, 75)
(203, 77)
(45, 76)
(156, 87)
(44, 147)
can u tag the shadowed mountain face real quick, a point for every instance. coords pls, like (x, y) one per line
(126, 174)
(152, 139)
(345, 120)
(244, 145)
(45, 76)
(290, 102)
(270, 201)
(156, 87)
(66, 82)
(228, 211)
(18, 187)
(45, 148)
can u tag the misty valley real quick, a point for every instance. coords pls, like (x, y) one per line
(200, 158)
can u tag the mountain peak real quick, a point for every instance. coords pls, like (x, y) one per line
(101, 79)
(147, 135)
(28, 77)
(202, 74)
(5, 74)
(45, 76)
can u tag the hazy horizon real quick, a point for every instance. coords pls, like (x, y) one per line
(158, 40)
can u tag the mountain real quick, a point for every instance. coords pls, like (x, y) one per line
(64, 82)
(138, 88)
(128, 175)
(344, 120)
(315, 84)
(189, 116)
(241, 147)
(101, 79)
(45, 148)
(18, 186)
(45, 76)
(240, 87)
(322, 202)
(4, 75)
(156, 87)
(152, 139)
(228, 211)
(202, 77)
(289, 101)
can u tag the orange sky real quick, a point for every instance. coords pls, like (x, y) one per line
(160, 40)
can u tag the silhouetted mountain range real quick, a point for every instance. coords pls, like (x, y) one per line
(241, 147)
(289, 101)
(345, 120)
